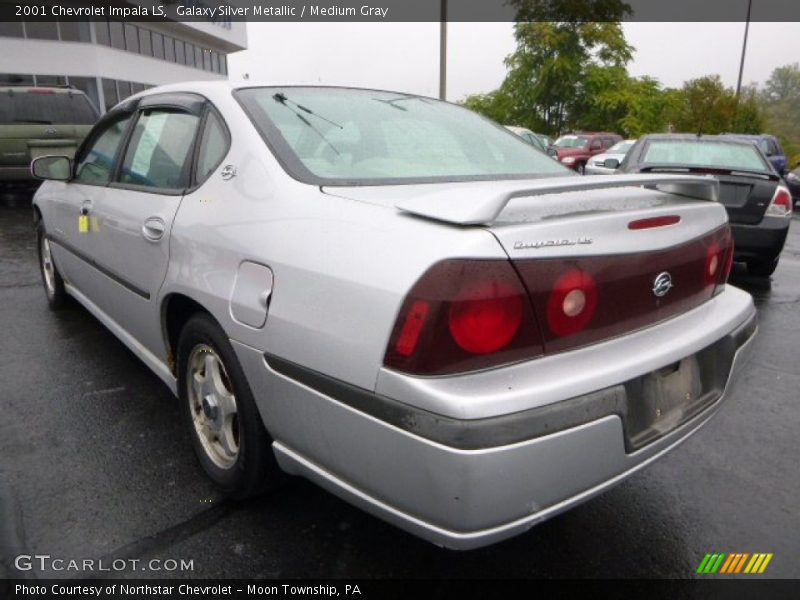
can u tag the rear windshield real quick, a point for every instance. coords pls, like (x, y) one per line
(20, 107)
(571, 141)
(341, 136)
(705, 153)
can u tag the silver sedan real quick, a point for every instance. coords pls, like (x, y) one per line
(393, 297)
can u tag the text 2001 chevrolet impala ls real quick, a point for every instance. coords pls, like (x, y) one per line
(397, 299)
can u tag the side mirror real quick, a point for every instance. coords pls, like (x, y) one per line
(58, 168)
(611, 163)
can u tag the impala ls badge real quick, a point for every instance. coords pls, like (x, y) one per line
(662, 284)
(551, 243)
(51, 131)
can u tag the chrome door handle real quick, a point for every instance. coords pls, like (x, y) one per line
(154, 228)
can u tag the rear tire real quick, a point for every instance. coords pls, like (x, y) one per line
(581, 168)
(225, 425)
(762, 268)
(51, 278)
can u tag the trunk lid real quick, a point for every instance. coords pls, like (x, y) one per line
(602, 233)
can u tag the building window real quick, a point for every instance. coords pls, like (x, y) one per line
(11, 29)
(206, 60)
(215, 62)
(180, 57)
(74, 31)
(110, 93)
(88, 85)
(131, 38)
(198, 57)
(189, 54)
(101, 33)
(50, 80)
(41, 30)
(145, 43)
(169, 49)
(124, 88)
(223, 64)
(117, 35)
(137, 87)
(158, 45)
(16, 78)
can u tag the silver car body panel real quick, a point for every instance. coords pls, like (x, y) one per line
(342, 260)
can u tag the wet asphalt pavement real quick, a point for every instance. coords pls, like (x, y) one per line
(94, 463)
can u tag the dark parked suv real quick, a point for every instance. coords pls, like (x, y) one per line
(759, 204)
(769, 145)
(35, 121)
(575, 149)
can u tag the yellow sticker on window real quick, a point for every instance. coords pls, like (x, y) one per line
(83, 224)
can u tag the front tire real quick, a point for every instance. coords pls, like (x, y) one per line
(51, 278)
(581, 168)
(227, 432)
(762, 268)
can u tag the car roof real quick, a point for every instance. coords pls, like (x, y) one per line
(693, 137)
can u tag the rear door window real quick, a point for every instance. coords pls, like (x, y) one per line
(158, 155)
(46, 107)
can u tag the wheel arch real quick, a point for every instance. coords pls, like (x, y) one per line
(176, 310)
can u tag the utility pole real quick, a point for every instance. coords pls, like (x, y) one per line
(443, 52)
(741, 65)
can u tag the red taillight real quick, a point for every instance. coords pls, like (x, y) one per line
(412, 327)
(486, 317)
(572, 303)
(725, 259)
(781, 205)
(464, 315)
(654, 222)
(713, 264)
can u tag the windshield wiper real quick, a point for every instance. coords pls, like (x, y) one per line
(280, 97)
(391, 101)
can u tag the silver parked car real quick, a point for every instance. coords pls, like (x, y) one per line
(609, 161)
(391, 296)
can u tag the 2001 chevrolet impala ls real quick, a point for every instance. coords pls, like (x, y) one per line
(396, 298)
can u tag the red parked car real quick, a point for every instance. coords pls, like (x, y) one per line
(575, 149)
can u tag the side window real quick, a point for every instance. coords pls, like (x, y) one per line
(96, 163)
(596, 145)
(158, 155)
(213, 147)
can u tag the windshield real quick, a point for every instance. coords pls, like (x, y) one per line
(571, 141)
(348, 136)
(705, 153)
(45, 107)
(620, 147)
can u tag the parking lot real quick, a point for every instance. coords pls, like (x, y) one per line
(95, 463)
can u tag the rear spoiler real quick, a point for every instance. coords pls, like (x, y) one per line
(480, 203)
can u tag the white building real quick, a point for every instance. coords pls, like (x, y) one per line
(110, 60)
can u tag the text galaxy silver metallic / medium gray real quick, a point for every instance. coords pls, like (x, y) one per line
(358, 287)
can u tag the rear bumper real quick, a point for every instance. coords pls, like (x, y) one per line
(465, 483)
(762, 242)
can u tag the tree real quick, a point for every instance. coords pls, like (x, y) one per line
(780, 103)
(707, 106)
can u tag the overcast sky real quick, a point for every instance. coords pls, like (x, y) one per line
(404, 56)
